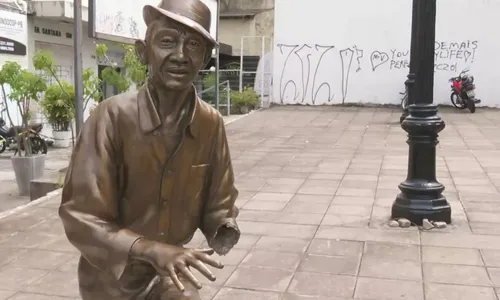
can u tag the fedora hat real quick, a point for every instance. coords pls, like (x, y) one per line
(193, 13)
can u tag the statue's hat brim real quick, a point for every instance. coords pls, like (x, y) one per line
(151, 13)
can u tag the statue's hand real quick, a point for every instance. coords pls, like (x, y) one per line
(171, 260)
(225, 239)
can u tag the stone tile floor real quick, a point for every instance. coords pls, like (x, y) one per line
(316, 186)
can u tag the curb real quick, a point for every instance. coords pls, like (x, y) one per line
(58, 192)
(36, 202)
(243, 116)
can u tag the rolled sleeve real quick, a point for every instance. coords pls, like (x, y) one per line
(220, 210)
(89, 207)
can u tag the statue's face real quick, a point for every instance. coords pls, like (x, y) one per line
(175, 53)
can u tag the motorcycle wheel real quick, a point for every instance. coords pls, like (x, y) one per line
(404, 102)
(38, 145)
(454, 100)
(3, 144)
(471, 104)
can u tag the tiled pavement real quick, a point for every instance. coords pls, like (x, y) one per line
(9, 194)
(316, 188)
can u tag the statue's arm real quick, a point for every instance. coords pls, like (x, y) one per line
(89, 205)
(219, 216)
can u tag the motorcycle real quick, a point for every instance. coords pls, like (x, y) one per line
(404, 99)
(8, 138)
(463, 91)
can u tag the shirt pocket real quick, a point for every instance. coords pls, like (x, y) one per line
(195, 189)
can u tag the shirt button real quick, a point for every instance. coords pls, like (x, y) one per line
(164, 201)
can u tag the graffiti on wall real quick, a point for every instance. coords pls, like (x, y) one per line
(118, 24)
(326, 69)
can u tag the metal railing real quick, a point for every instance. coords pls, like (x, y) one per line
(226, 89)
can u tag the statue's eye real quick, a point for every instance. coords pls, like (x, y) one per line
(194, 44)
(167, 41)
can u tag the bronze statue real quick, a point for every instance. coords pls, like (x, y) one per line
(151, 167)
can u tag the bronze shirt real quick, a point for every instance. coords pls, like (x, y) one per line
(121, 185)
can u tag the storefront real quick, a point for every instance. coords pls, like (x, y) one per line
(13, 47)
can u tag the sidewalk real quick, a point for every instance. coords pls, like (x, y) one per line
(316, 186)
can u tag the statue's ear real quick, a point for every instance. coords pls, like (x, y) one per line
(140, 51)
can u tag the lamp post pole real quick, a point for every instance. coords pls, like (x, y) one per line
(77, 19)
(410, 83)
(421, 194)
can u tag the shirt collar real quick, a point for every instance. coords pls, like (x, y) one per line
(149, 118)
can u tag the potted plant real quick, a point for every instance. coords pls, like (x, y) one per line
(244, 101)
(59, 102)
(57, 106)
(135, 72)
(25, 87)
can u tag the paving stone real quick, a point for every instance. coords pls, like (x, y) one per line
(264, 205)
(312, 199)
(455, 274)
(338, 265)
(208, 292)
(312, 284)
(346, 220)
(351, 210)
(282, 244)
(42, 259)
(455, 256)
(350, 200)
(273, 280)
(14, 278)
(294, 164)
(386, 251)
(435, 291)
(279, 230)
(275, 197)
(4, 295)
(391, 269)
(272, 259)
(319, 187)
(362, 234)
(31, 296)
(56, 283)
(280, 217)
(373, 288)
(335, 248)
(231, 294)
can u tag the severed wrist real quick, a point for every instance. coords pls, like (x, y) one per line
(225, 239)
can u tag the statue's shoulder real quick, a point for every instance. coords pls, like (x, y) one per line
(207, 113)
(122, 102)
(118, 106)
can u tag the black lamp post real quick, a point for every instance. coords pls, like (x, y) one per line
(421, 194)
(410, 83)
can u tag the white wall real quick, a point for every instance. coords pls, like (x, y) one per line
(350, 51)
(18, 33)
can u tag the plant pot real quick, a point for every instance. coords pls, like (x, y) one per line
(62, 139)
(244, 109)
(27, 169)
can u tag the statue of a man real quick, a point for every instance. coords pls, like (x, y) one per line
(151, 167)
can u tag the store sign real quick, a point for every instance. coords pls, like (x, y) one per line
(13, 33)
(52, 32)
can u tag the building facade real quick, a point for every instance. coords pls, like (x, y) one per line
(357, 51)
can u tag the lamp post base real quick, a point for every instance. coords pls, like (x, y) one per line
(421, 194)
(417, 209)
